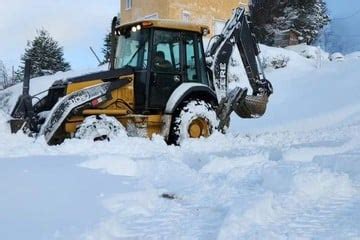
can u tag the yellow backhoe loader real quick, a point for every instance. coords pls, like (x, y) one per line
(160, 81)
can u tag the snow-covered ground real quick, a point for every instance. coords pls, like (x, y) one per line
(293, 174)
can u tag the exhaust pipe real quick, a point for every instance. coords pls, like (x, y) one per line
(113, 43)
(23, 112)
(26, 83)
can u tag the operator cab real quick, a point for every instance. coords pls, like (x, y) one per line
(163, 54)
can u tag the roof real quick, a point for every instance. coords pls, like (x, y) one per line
(169, 24)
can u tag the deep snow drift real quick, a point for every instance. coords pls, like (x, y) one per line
(293, 174)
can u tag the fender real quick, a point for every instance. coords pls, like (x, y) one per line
(184, 91)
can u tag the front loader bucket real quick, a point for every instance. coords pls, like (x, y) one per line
(16, 125)
(251, 106)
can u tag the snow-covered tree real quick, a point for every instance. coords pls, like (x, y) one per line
(273, 17)
(312, 17)
(46, 56)
(3, 75)
(106, 49)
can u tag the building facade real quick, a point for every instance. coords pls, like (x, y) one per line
(213, 13)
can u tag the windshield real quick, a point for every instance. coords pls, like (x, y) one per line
(132, 50)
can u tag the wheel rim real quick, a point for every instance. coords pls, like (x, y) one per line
(199, 127)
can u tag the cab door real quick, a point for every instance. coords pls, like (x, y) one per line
(166, 68)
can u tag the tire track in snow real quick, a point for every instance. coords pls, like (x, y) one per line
(323, 220)
(272, 214)
(243, 191)
(279, 215)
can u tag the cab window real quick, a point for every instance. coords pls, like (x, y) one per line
(166, 51)
(132, 50)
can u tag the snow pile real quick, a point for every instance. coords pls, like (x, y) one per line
(311, 52)
(9, 96)
(271, 59)
(274, 58)
(338, 57)
(111, 165)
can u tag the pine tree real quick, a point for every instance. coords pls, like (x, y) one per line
(3, 75)
(106, 50)
(312, 17)
(45, 54)
(272, 17)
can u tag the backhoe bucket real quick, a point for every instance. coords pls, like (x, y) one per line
(245, 106)
(251, 106)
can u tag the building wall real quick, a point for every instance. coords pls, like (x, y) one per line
(142, 8)
(213, 13)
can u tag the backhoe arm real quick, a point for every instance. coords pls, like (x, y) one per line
(237, 33)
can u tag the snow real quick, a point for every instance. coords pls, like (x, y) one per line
(337, 57)
(110, 165)
(292, 174)
(354, 55)
(98, 126)
(311, 52)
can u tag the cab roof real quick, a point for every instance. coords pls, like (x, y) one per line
(168, 24)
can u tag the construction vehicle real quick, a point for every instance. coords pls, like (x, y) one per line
(160, 81)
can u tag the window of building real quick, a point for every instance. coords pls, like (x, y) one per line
(186, 16)
(128, 4)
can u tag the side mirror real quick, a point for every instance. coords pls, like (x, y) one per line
(113, 43)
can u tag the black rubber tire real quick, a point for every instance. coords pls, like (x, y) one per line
(109, 127)
(185, 113)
